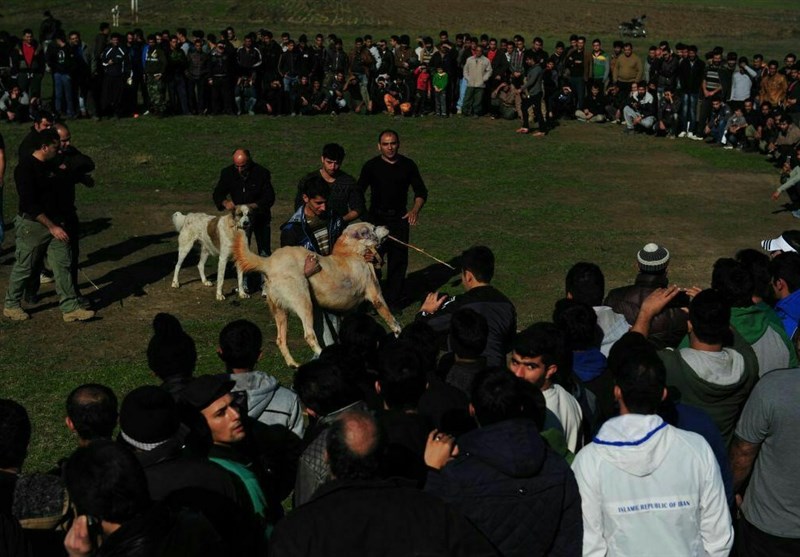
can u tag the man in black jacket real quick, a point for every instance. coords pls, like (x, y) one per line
(358, 514)
(248, 183)
(477, 270)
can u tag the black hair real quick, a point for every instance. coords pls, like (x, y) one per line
(498, 395)
(617, 44)
(545, 340)
(579, 323)
(317, 187)
(786, 266)
(384, 132)
(361, 333)
(240, 344)
(638, 372)
(586, 283)
(106, 481)
(333, 151)
(757, 264)
(710, 317)
(401, 375)
(469, 332)
(350, 462)
(322, 388)
(43, 115)
(423, 340)
(47, 137)
(479, 260)
(93, 410)
(15, 433)
(733, 281)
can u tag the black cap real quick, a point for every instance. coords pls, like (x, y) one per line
(148, 417)
(204, 390)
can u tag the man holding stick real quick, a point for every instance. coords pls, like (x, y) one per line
(388, 177)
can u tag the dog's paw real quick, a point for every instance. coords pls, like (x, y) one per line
(176, 284)
(243, 295)
(220, 297)
(208, 283)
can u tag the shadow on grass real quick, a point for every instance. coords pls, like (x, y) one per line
(127, 247)
(96, 226)
(131, 280)
(430, 279)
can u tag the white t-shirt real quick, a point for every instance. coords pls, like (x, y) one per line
(568, 412)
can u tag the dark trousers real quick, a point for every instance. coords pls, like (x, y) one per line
(579, 88)
(536, 102)
(221, 95)
(752, 542)
(259, 228)
(113, 87)
(197, 95)
(397, 254)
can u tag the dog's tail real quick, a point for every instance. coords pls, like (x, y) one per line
(246, 260)
(178, 219)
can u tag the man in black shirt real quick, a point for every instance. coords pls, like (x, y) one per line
(248, 183)
(388, 177)
(346, 199)
(41, 219)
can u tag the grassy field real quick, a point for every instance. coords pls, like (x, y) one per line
(583, 193)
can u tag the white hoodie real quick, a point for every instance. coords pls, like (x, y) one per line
(649, 489)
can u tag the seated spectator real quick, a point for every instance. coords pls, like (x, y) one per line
(504, 478)
(717, 121)
(267, 401)
(718, 369)
(669, 327)
(91, 413)
(15, 105)
(594, 105)
(325, 395)
(735, 130)
(505, 101)
(391, 519)
(640, 110)
(564, 102)
(171, 354)
(646, 487)
(114, 512)
(669, 111)
(788, 134)
(467, 339)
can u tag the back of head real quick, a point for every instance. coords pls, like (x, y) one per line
(469, 332)
(585, 283)
(354, 446)
(148, 418)
(545, 340)
(92, 409)
(106, 481)
(240, 344)
(323, 389)
(401, 375)
(638, 372)
(710, 317)
(171, 351)
(317, 187)
(734, 283)
(579, 323)
(498, 395)
(479, 260)
(757, 264)
(360, 332)
(786, 266)
(15, 433)
(423, 340)
(653, 259)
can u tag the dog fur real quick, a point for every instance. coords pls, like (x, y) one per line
(345, 281)
(216, 236)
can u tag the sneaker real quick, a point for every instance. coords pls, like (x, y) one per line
(728, 147)
(694, 137)
(45, 278)
(16, 314)
(795, 214)
(682, 135)
(79, 314)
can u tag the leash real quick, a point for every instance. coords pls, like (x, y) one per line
(87, 278)
(422, 251)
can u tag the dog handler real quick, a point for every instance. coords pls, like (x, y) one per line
(40, 230)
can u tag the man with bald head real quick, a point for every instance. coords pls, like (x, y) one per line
(247, 183)
(357, 513)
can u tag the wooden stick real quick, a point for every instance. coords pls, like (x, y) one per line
(422, 251)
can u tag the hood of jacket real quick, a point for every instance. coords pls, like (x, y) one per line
(752, 322)
(634, 443)
(514, 447)
(260, 389)
(588, 364)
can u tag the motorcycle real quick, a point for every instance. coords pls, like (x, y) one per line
(633, 28)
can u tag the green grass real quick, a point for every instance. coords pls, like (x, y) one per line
(584, 193)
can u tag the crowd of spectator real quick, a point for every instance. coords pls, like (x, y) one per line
(646, 420)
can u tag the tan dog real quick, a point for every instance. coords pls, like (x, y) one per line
(345, 281)
(216, 235)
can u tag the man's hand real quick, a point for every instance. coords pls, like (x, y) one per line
(412, 216)
(433, 302)
(311, 266)
(59, 233)
(652, 306)
(775, 195)
(439, 449)
(228, 204)
(77, 542)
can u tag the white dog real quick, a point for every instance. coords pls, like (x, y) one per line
(216, 236)
(345, 281)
